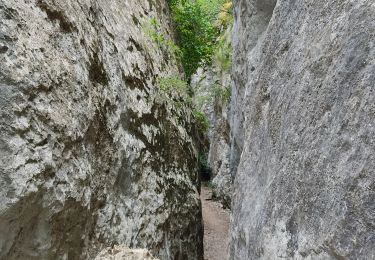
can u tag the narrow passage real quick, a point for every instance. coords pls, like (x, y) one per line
(216, 227)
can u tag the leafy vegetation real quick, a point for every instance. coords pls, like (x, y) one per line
(154, 31)
(173, 83)
(202, 38)
(223, 54)
(225, 15)
(195, 35)
(221, 92)
(223, 48)
(197, 30)
(217, 92)
(202, 121)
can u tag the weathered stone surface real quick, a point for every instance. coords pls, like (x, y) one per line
(124, 253)
(304, 73)
(205, 83)
(89, 158)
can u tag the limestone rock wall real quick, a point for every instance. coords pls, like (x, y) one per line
(90, 155)
(304, 113)
(124, 253)
(212, 87)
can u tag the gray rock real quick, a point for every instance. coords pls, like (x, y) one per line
(304, 74)
(90, 158)
(124, 253)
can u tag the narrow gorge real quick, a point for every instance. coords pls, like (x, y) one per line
(119, 118)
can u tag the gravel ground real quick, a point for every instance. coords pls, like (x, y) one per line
(216, 227)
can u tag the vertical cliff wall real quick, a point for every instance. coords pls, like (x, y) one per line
(91, 153)
(303, 129)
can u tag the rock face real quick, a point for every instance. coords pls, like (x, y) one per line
(91, 156)
(124, 253)
(304, 74)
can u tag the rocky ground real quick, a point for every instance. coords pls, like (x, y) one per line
(216, 226)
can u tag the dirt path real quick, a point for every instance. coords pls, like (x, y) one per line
(216, 226)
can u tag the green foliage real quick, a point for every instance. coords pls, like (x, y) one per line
(204, 167)
(201, 27)
(173, 89)
(226, 94)
(154, 31)
(212, 8)
(223, 54)
(172, 3)
(223, 48)
(202, 99)
(177, 91)
(173, 83)
(201, 120)
(196, 34)
(217, 92)
(198, 24)
(221, 92)
(225, 15)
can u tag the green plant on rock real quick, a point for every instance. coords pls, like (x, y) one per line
(221, 92)
(201, 119)
(173, 83)
(223, 54)
(175, 91)
(226, 94)
(200, 25)
(154, 30)
(223, 48)
(195, 33)
(225, 15)
(201, 100)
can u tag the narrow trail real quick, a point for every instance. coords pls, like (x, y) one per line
(216, 227)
